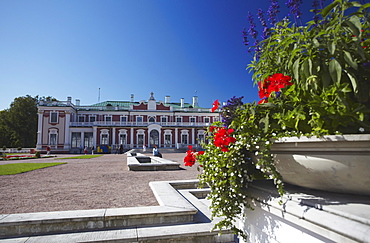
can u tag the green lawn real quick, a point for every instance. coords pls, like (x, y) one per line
(88, 156)
(12, 169)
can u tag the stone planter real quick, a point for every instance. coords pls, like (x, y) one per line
(337, 163)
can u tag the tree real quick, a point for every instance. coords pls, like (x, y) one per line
(4, 129)
(22, 115)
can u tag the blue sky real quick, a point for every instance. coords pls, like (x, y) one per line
(179, 48)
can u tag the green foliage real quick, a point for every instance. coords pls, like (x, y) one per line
(329, 65)
(329, 62)
(18, 124)
(229, 174)
(12, 169)
(37, 155)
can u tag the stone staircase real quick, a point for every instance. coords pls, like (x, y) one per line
(183, 216)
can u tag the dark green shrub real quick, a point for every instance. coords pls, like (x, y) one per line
(37, 154)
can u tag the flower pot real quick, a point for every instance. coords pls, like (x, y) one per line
(337, 163)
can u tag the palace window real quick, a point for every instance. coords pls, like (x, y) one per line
(76, 140)
(206, 119)
(88, 139)
(184, 138)
(164, 119)
(81, 119)
(54, 117)
(140, 139)
(92, 118)
(123, 118)
(139, 119)
(122, 139)
(53, 135)
(178, 119)
(104, 139)
(192, 119)
(151, 119)
(108, 118)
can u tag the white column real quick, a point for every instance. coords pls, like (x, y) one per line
(132, 137)
(192, 136)
(95, 130)
(83, 139)
(39, 130)
(176, 138)
(113, 135)
(66, 131)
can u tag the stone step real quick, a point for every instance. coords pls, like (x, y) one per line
(183, 216)
(186, 233)
(96, 219)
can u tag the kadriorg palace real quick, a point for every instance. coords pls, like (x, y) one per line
(68, 127)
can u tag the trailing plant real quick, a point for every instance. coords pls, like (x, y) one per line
(313, 79)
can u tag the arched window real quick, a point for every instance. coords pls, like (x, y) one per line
(151, 119)
(154, 137)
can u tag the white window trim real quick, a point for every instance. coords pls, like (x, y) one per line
(81, 116)
(57, 116)
(167, 132)
(92, 116)
(104, 132)
(178, 117)
(164, 117)
(206, 117)
(140, 132)
(120, 119)
(184, 132)
(105, 118)
(53, 131)
(122, 132)
(142, 119)
(193, 117)
(153, 118)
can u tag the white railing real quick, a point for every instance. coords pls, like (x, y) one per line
(138, 124)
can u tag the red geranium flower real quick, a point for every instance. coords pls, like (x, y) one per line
(273, 83)
(223, 139)
(215, 104)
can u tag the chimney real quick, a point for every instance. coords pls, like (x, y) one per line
(182, 102)
(132, 98)
(69, 99)
(167, 99)
(77, 102)
(195, 101)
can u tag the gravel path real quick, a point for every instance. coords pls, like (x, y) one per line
(102, 182)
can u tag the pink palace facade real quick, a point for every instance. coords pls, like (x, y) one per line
(68, 127)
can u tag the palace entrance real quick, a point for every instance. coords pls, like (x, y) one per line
(154, 138)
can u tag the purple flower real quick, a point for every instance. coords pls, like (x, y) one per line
(252, 26)
(273, 11)
(261, 17)
(295, 8)
(322, 4)
(315, 6)
(229, 110)
(245, 37)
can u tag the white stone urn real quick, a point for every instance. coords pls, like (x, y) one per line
(336, 163)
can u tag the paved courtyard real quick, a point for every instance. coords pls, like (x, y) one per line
(102, 182)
